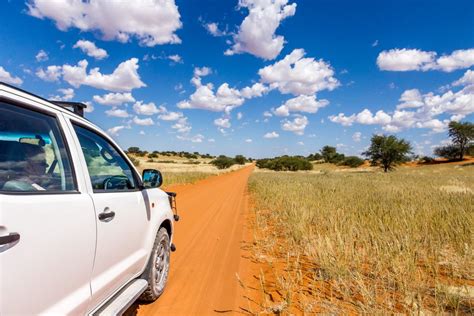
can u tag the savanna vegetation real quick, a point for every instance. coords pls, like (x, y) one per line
(371, 243)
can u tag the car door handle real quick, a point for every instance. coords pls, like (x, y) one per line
(106, 215)
(9, 239)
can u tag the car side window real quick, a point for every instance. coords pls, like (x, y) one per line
(108, 170)
(33, 155)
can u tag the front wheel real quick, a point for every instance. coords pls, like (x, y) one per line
(158, 267)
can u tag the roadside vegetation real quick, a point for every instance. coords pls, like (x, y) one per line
(367, 243)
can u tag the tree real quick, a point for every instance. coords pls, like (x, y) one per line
(133, 150)
(223, 162)
(328, 153)
(461, 134)
(352, 161)
(239, 159)
(387, 151)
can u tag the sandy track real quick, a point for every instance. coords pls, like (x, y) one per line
(209, 256)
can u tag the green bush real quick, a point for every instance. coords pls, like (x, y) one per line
(285, 163)
(223, 162)
(153, 155)
(239, 159)
(352, 161)
(449, 152)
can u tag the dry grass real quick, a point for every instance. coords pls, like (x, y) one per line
(178, 170)
(367, 242)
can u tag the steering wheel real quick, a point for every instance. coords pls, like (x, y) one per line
(116, 182)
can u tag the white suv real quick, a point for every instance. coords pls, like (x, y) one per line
(80, 231)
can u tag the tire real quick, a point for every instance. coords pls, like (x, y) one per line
(157, 270)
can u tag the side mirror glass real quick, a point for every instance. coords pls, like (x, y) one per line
(152, 178)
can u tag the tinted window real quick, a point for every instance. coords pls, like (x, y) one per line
(33, 156)
(108, 170)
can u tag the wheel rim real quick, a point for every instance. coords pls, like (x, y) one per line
(161, 265)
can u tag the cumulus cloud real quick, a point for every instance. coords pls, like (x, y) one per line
(91, 50)
(171, 116)
(256, 90)
(302, 103)
(466, 79)
(297, 125)
(198, 138)
(239, 115)
(114, 131)
(175, 58)
(415, 59)
(124, 78)
(182, 125)
(298, 75)
(115, 112)
(256, 34)
(41, 56)
(213, 29)
(418, 110)
(147, 108)
(152, 22)
(222, 122)
(66, 95)
(114, 98)
(6, 77)
(271, 135)
(51, 73)
(143, 122)
(248, 140)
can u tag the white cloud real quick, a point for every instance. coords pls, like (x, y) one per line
(423, 111)
(124, 78)
(375, 43)
(298, 75)
(222, 122)
(175, 58)
(67, 94)
(300, 143)
(6, 77)
(297, 125)
(142, 133)
(182, 125)
(411, 99)
(115, 112)
(404, 59)
(198, 138)
(256, 34)
(211, 140)
(91, 50)
(302, 103)
(239, 115)
(248, 140)
(41, 56)
(171, 116)
(356, 136)
(52, 73)
(204, 98)
(143, 122)
(147, 108)
(267, 114)
(467, 79)
(202, 71)
(114, 98)
(89, 108)
(114, 131)
(152, 22)
(415, 59)
(271, 135)
(213, 29)
(256, 90)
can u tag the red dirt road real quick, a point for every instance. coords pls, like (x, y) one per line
(203, 275)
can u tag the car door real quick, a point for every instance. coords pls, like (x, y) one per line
(47, 223)
(123, 218)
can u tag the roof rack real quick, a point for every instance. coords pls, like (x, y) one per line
(76, 107)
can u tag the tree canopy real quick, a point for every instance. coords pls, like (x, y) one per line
(388, 151)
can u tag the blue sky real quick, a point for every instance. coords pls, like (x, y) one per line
(255, 77)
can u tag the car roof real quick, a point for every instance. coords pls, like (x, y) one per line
(42, 101)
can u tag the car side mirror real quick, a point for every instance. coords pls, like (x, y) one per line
(152, 178)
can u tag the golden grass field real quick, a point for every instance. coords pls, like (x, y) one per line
(366, 242)
(178, 170)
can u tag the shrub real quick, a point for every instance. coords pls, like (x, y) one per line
(153, 155)
(426, 159)
(285, 163)
(352, 161)
(223, 162)
(239, 159)
(314, 157)
(133, 150)
(449, 152)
